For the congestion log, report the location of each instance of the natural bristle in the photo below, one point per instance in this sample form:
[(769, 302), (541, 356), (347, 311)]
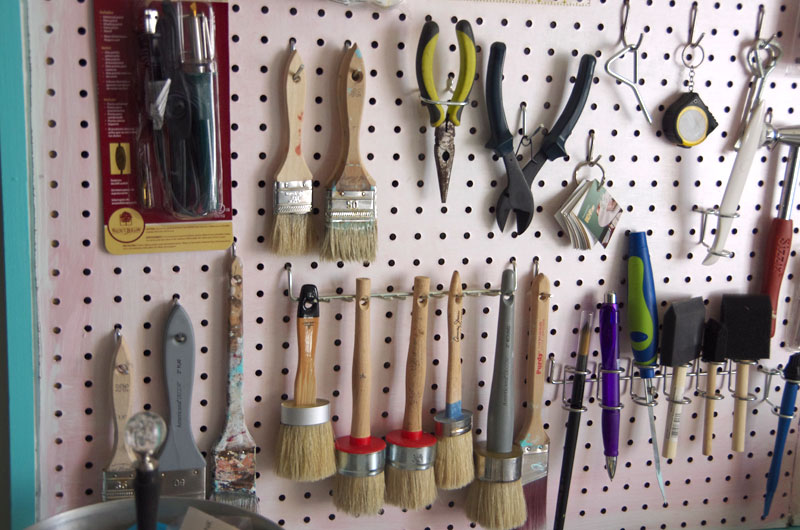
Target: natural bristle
[(496, 505), (358, 495), (305, 453), (453, 466), (293, 234), (536, 502), (350, 241), (412, 490), (240, 499)]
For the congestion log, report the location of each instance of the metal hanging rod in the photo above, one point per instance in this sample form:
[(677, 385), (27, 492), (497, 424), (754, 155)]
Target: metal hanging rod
[(399, 294)]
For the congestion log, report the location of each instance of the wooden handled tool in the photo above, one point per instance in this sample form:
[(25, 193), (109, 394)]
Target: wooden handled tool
[(714, 348), (294, 165), (305, 383), (533, 432), (121, 379), (360, 427), (415, 364), (455, 316), (352, 83)]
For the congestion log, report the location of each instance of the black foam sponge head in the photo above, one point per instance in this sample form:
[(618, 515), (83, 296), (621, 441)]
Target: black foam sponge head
[(682, 334), (715, 342), (748, 319)]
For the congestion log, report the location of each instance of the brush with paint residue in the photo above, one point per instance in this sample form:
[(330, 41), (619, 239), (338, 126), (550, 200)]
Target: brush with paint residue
[(351, 228), (234, 455), (292, 230), (410, 481), (358, 486), (453, 466), (305, 450)]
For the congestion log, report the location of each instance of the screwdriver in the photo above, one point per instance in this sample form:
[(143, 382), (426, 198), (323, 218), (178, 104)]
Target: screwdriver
[(643, 327), (791, 375)]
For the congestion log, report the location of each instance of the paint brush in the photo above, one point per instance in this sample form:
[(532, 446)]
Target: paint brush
[(119, 473), (410, 481), (715, 339), (182, 467), (453, 466), (495, 499), (292, 230), (351, 228), (305, 448), (576, 408), (748, 319), (532, 438), (234, 454), (359, 487), (681, 341)]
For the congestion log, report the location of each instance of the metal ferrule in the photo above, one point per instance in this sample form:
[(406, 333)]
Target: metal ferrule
[(150, 21), (291, 414), (350, 206), (784, 135), (497, 467), (292, 197), (447, 427), (410, 458), (360, 465), (184, 483), (198, 55), (118, 484)]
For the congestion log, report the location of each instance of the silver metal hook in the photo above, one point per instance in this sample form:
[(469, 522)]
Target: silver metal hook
[(759, 21), (293, 47), (589, 162), (536, 266), (292, 44), (590, 146), (692, 23), (233, 249), (117, 333), (523, 107)]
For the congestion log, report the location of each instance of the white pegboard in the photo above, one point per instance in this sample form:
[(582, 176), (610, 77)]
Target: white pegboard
[(83, 291)]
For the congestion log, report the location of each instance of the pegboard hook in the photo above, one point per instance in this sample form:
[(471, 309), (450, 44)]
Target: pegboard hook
[(705, 212), (626, 9), (589, 162), (692, 24), (759, 21)]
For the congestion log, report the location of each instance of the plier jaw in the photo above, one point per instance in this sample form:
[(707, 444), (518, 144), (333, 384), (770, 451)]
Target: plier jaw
[(444, 150)]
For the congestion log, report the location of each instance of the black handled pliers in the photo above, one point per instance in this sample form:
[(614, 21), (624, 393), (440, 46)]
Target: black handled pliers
[(445, 120), (517, 195)]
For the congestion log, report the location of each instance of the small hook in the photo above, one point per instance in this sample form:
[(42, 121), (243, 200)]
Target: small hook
[(626, 9), (233, 249), (292, 44), (759, 21), (536, 266), (590, 146), (692, 23), (523, 107)]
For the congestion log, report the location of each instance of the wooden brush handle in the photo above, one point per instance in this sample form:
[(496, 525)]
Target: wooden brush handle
[(674, 412), (305, 384), (533, 430), (455, 316), (708, 419), (352, 83), (415, 365), (361, 365), (740, 407), (294, 165), (121, 379)]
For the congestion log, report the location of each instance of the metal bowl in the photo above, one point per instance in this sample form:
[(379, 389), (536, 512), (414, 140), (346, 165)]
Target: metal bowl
[(121, 515)]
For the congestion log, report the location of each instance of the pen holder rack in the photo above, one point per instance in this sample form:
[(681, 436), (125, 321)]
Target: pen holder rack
[(561, 375), (705, 212), (566, 403), (394, 295), (769, 374), (750, 396)]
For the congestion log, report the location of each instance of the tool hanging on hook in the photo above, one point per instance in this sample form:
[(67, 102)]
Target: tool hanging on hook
[(687, 122), (632, 82)]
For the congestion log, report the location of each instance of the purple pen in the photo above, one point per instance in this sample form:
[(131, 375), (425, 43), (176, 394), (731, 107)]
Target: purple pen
[(609, 347)]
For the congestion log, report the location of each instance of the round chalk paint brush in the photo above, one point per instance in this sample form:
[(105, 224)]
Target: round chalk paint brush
[(305, 449), (410, 481), (358, 486), (453, 467)]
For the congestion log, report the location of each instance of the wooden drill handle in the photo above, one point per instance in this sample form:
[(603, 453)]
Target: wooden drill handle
[(455, 317), (674, 411), (359, 427), (294, 166), (352, 86), (415, 365), (533, 431), (740, 407), (708, 419), (121, 378)]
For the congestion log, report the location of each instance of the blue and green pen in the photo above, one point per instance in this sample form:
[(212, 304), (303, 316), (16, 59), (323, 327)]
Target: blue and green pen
[(643, 327), (791, 375)]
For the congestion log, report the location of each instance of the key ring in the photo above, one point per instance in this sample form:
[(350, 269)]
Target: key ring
[(589, 162)]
